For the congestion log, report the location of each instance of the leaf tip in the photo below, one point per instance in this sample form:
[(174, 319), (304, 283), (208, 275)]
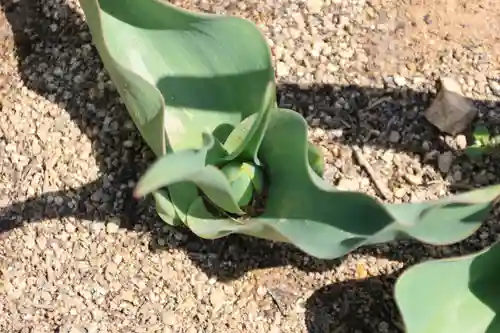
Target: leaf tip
[(137, 194)]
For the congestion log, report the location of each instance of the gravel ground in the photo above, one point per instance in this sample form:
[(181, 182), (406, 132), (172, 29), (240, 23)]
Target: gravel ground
[(361, 73)]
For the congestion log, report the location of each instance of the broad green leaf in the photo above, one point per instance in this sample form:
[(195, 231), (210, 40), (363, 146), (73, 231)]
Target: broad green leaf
[(182, 196), (143, 100), (452, 295), (181, 73)]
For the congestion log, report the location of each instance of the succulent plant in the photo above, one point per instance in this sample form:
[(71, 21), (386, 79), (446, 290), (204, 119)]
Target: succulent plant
[(201, 91)]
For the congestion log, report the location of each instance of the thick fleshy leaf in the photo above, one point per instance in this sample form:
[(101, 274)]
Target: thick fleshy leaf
[(165, 209), (180, 73), (244, 141), (245, 180), (452, 295), (189, 166), (328, 223), (199, 220), (316, 159), (172, 168)]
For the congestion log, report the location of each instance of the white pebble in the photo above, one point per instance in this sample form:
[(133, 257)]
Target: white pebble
[(112, 227), (494, 86), (399, 80), (461, 141), (282, 69)]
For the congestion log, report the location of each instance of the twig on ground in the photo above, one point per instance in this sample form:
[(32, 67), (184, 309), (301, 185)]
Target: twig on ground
[(457, 186), (379, 185), (373, 104)]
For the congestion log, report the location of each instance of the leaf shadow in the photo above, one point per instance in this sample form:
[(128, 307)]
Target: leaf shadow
[(37, 37), (350, 306), (54, 43)]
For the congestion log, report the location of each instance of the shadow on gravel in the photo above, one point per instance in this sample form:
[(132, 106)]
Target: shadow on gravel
[(348, 307), (48, 37)]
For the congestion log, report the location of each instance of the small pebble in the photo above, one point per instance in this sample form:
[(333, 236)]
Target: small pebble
[(347, 184), (399, 80), (282, 69), (444, 161), (217, 298), (70, 228), (400, 192), (494, 86), (394, 137), (169, 318), (112, 226), (461, 141)]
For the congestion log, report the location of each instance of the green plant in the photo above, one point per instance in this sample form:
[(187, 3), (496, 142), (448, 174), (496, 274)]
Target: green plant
[(201, 91), (484, 143)]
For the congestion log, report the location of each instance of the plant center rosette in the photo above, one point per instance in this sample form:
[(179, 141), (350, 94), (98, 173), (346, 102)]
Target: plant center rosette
[(247, 183)]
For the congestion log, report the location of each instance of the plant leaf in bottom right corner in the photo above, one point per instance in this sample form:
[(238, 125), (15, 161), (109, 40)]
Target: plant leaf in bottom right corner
[(459, 295)]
